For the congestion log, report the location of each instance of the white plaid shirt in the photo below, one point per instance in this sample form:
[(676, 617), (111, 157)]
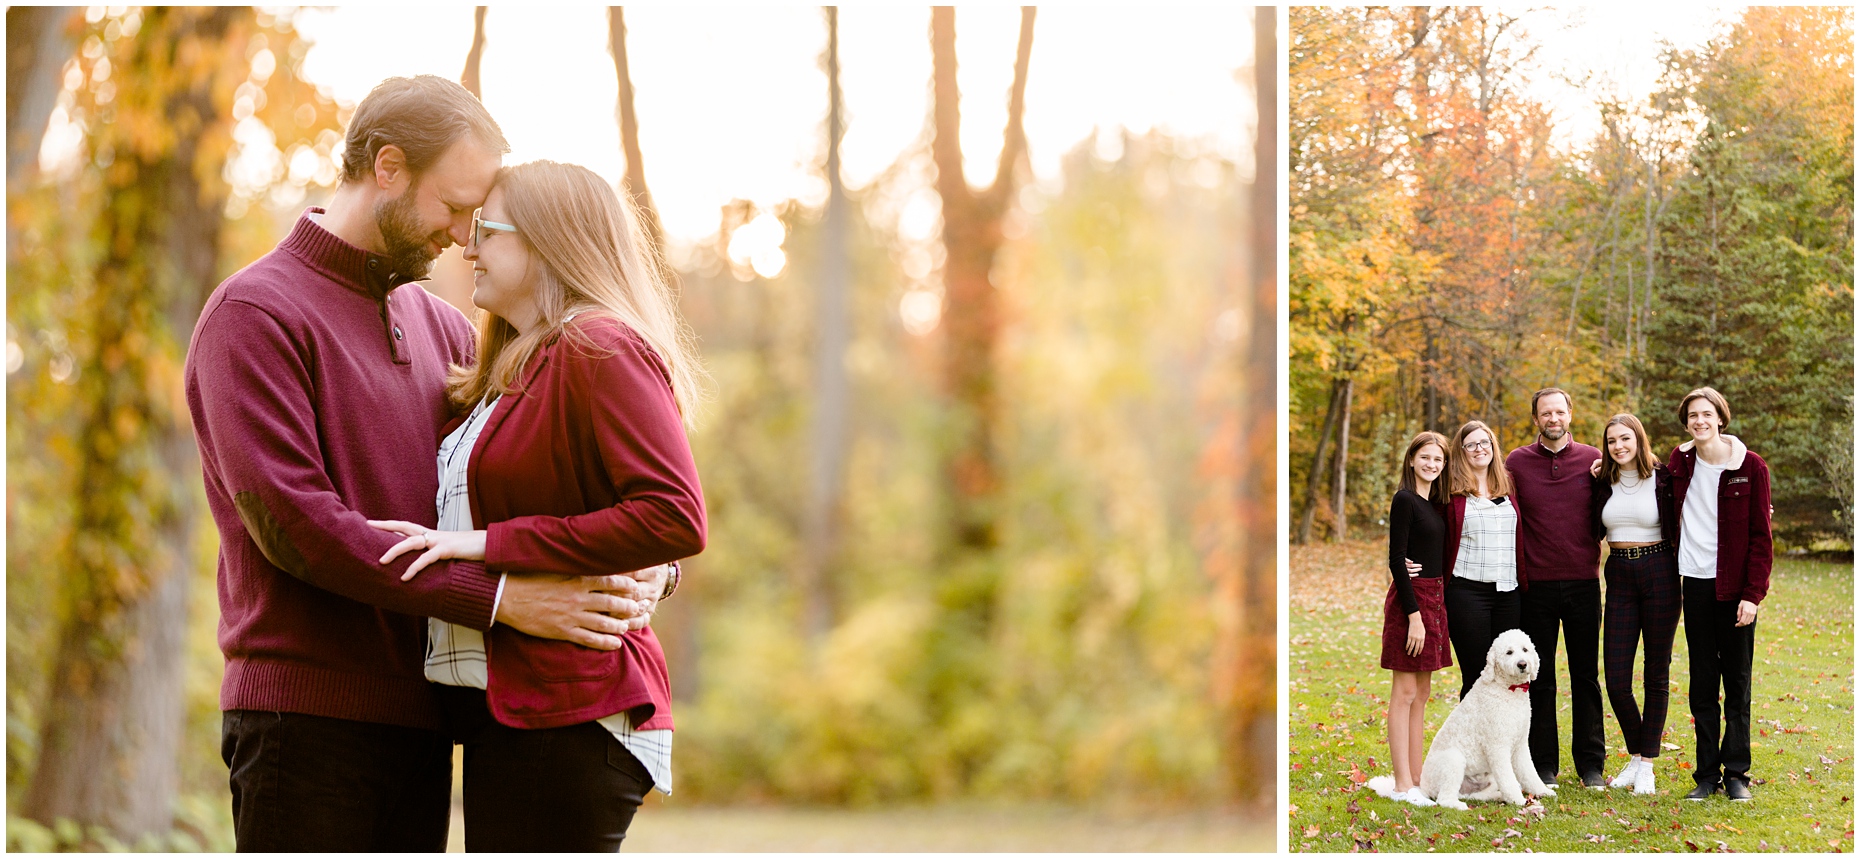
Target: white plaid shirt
[(1489, 543), (455, 654)]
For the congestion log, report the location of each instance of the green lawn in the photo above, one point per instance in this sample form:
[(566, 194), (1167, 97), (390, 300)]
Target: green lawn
[(666, 826), (1801, 711)]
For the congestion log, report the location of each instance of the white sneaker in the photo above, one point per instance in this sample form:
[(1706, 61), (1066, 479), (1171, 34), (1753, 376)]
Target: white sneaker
[(1643, 780), (1628, 775), (1384, 786), (1414, 796)]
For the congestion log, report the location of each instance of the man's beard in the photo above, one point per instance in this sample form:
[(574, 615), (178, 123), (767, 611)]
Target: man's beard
[(407, 251), (1551, 433)]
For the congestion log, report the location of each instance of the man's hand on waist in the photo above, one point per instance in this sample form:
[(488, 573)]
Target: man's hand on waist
[(591, 611)]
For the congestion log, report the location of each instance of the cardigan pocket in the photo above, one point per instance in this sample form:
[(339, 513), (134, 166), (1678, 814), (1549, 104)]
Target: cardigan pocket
[(562, 661)]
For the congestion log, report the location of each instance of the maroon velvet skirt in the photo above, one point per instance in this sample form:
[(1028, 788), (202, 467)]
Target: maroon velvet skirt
[(1436, 652)]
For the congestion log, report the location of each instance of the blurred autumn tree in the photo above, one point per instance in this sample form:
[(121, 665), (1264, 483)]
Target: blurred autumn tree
[(1100, 635), (1447, 261), (116, 254)]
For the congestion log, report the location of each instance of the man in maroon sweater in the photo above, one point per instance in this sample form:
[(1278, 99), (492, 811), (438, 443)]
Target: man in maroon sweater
[(1559, 561), (316, 383)]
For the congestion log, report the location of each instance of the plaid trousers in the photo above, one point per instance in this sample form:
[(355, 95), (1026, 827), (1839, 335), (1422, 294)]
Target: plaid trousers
[(1643, 600)]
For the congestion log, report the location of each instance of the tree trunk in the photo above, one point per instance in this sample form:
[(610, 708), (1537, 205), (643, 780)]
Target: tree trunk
[(832, 332), (1428, 381), (971, 238), (1314, 481), (470, 78), (1339, 515), (111, 731), (1251, 742), (37, 46), (629, 133)]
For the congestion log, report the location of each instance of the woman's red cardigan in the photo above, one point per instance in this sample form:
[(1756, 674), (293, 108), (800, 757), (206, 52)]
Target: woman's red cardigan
[(584, 469), (1454, 511)]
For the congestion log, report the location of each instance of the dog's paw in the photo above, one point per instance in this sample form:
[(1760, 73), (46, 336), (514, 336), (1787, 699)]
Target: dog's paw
[(1549, 792), (1454, 804)]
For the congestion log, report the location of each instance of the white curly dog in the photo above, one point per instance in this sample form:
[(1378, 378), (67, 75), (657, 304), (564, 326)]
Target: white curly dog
[(1482, 753)]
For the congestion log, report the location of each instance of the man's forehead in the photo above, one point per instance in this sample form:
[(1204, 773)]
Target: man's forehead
[(465, 172), (1548, 402)]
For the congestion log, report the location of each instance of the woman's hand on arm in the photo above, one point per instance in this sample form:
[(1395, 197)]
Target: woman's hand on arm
[(1417, 634), (439, 545), (1595, 468)]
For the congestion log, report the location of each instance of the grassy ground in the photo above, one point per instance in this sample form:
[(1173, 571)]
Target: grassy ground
[(663, 827), (1802, 713)]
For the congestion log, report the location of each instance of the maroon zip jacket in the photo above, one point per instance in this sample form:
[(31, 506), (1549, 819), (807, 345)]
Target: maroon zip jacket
[(1555, 486), (584, 466), (316, 383), (1744, 547), (1455, 512)]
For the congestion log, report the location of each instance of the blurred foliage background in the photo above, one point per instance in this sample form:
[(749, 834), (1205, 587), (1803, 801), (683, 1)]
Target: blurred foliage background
[(1449, 257), (996, 530)]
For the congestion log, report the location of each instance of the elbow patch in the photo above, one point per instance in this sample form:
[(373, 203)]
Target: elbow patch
[(269, 535)]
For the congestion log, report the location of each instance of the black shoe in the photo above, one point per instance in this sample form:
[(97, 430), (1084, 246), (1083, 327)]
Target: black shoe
[(1705, 790), (1737, 790), (1549, 779), (1594, 780)]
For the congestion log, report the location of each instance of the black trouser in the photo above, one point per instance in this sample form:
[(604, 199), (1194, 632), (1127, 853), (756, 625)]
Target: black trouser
[(1576, 606), (1718, 650), (1643, 601), (312, 783), (571, 789), (1476, 614)]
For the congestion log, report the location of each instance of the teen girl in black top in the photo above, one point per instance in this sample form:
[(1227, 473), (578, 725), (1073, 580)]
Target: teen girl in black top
[(1414, 625)]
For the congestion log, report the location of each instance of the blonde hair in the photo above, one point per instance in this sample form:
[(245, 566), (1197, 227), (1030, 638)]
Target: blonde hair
[(1464, 480), (595, 262)]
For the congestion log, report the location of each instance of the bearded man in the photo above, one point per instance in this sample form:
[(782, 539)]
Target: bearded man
[(316, 383), (1559, 559)]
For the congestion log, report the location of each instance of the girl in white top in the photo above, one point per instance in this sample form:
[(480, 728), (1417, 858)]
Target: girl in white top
[(1633, 508)]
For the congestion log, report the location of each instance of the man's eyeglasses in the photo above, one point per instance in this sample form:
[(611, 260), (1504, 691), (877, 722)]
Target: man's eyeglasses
[(1475, 447), (480, 226)]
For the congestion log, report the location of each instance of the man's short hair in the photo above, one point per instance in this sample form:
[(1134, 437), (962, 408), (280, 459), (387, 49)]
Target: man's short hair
[(423, 115), (1712, 396), (1568, 401)]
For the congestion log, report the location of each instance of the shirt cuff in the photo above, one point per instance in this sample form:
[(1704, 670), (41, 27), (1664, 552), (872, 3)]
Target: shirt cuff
[(499, 599)]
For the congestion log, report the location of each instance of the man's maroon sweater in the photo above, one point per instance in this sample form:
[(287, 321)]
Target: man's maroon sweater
[(316, 383), (1553, 511)]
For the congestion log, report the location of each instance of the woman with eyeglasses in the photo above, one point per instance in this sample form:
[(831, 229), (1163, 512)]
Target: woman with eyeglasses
[(569, 454), (1483, 573)]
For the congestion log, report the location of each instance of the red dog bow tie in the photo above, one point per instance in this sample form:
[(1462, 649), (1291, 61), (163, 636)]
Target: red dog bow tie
[(1521, 687)]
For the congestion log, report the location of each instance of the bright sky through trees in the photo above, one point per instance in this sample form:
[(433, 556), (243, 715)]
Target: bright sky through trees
[(1618, 46), (732, 100)]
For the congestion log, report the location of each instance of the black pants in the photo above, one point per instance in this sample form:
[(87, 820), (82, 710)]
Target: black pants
[(311, 783), (554, 790), (1643, 602), (1719, 651), (1575, 606), (1476, 614)]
